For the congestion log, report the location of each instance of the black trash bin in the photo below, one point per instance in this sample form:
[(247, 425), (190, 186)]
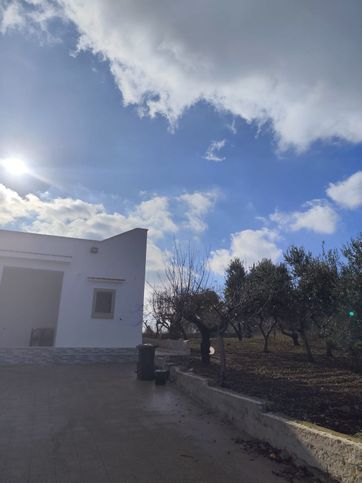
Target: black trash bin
[(161, 376), (146, 362)]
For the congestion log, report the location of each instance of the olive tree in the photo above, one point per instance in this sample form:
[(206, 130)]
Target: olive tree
[(206, 311), (235, 277), (184, 299), (351, 294), (265, 296), (314, 295)]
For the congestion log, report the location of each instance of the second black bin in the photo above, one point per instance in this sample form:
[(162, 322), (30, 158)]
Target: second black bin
[(160, 377)]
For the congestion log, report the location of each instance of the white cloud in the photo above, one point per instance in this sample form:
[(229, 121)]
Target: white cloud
[(212, 151), (347, 193), (198, 205), (81, 219), (156, 259), (319, 217), (295, 64), (31, 14), (248, 245), (156, 214), (232, 127), (78, 218), (12, 206), (11, 17)]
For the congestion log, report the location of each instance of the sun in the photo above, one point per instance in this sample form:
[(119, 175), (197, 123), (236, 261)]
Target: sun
[(14, 166)]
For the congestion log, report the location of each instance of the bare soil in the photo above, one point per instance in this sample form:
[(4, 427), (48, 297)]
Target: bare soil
[(327, 392)]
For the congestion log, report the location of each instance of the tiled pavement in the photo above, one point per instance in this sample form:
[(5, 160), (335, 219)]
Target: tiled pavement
[(98, 424)]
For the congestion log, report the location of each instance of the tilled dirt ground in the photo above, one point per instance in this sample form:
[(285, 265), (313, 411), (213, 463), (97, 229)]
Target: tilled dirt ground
[(327, 393)]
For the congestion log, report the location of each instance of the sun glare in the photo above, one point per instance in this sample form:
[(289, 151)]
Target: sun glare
[(14, 166)]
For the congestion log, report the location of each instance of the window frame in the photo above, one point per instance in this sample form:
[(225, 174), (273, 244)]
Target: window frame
[(103, 315)]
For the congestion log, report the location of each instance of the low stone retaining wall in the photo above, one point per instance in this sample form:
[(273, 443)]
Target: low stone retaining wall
[(66, 355), (180, 345), (339, 456)]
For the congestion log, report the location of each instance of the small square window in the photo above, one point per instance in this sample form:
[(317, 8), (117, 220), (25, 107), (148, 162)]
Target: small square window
[(103, 303)]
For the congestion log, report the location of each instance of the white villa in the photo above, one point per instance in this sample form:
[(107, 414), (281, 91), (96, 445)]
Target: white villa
[(71, 293)]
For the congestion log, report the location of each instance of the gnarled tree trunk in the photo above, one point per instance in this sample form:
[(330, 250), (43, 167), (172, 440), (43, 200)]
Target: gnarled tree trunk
[(293, 335), (308, 350), (222, 372), (205, 346), (237, 329)]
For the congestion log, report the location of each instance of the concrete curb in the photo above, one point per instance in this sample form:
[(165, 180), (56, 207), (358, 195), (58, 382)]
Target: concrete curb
[(334, 454), (180, 345)]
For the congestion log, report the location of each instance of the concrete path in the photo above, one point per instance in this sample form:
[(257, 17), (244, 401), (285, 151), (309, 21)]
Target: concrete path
[(98, 424)]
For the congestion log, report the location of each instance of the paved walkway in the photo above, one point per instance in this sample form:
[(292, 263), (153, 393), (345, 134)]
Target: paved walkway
[(98, 424)]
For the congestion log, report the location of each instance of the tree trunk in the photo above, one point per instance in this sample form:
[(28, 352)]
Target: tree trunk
[(222, 360), (329, 349), (183, 332), (205, 346), (293, 335), (295, 338), (238, 331), (176, 330), (307, 346), (266, 333)]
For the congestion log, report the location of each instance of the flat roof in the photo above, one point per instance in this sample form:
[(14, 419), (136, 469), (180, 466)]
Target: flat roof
[(27, 233)]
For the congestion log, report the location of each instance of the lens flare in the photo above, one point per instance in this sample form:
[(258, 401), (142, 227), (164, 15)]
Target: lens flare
[(14, 166)]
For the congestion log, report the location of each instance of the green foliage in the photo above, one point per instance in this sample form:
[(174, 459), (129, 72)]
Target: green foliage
[(351, 286), (309, 296), (265, 296), (201, 309), (235, 278), (267, 289), (315, 292), (234, 281)]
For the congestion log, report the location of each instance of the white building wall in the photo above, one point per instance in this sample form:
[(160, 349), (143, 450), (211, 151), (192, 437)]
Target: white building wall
[(119, 257)]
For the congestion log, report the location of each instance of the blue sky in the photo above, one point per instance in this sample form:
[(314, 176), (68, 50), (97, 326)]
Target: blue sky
[(129, 117)]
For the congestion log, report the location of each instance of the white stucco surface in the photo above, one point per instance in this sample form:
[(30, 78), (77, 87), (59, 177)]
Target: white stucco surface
[(118, 264)]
